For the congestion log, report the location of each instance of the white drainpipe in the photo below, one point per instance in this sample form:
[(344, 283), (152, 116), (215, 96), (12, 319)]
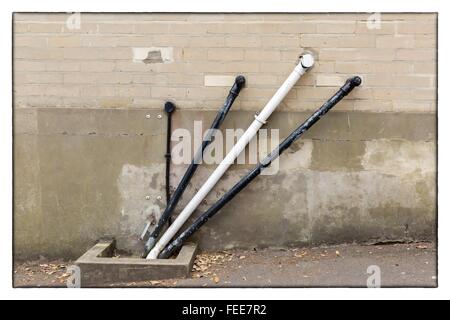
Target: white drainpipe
[(305, 63)]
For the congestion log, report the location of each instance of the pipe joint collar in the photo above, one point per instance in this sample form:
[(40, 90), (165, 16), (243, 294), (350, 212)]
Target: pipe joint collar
[(257, 118)]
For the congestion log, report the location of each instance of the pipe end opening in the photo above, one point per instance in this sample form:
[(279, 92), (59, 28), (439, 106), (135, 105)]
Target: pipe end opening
[(169, 107), (240, 80), (307, 60), (357, 80)]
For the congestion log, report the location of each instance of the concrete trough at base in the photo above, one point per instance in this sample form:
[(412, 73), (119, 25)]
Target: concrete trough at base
[(99, 267)]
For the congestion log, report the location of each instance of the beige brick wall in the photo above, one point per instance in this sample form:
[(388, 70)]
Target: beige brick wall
[(94, 66)]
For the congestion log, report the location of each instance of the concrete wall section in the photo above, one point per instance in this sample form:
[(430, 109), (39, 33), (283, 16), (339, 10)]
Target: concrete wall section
[(354, 177)]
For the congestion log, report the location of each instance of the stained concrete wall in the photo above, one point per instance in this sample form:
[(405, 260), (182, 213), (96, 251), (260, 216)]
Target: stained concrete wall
[(89, 162)]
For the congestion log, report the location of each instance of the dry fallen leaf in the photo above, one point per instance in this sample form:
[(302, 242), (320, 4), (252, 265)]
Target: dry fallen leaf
[(216, 279), (300, 254)]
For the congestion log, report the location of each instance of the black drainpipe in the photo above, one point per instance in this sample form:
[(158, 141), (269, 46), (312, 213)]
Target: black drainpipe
[(169, 108), (234, 92), (338, 96)]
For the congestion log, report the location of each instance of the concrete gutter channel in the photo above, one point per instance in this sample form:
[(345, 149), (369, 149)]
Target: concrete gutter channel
[(100, 267)]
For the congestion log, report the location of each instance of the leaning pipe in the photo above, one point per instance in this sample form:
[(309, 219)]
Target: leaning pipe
[(178, 242), (305, 63), (175, 198), (169, 108)]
